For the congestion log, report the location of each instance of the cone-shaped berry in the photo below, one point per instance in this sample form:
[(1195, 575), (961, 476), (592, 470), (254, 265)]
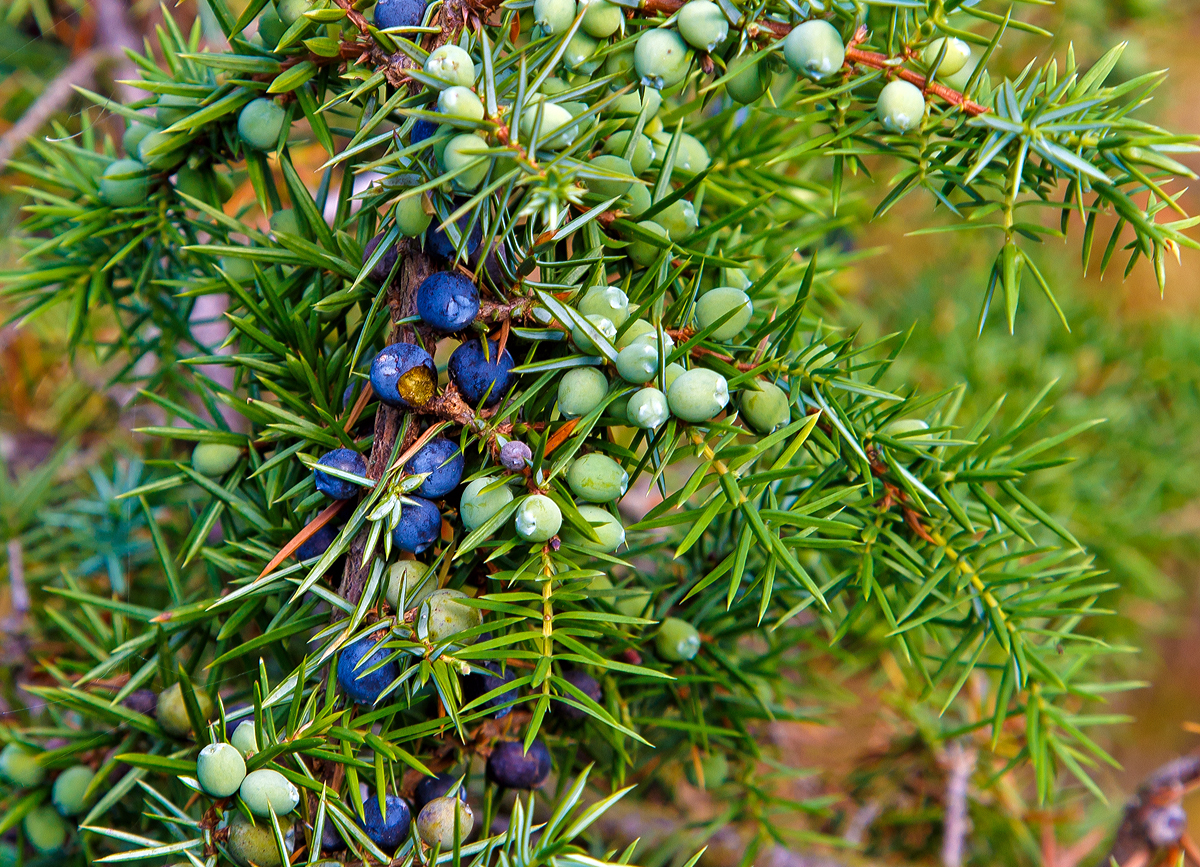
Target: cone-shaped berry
[(20, 766), (343, 460), (70, 788), (660, 58), (511, 767), (443, 461), (253, 843), (447, 301), (387, 830), (814, 49), (450, 65), (956, 57), (482, 379), (172, 712), (580, 391), (605, 525), (220, 769), (764, 406), (360, 685), (608, 301), (480, 683), (901, 106), (265, 790), (677, 640), (698, 395), (260, 124), (444, 616), (419, 527), (751, 76), (399, 13), (586, 684), (443, 820), (125, 184), (481, 499), (648, 409), (718, 303), (437, 786), (538, 518), (702, 24), (404, 375), (597, 478), (215, 459), (45, 830)]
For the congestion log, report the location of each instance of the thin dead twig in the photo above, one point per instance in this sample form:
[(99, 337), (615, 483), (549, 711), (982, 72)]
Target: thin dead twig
[(959, 762)]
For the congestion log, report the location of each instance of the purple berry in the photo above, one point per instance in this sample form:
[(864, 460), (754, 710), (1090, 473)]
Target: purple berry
[(510, 767), (345, 460), (384, 266), (436, 787), (481, 683), (447, 302), (514, 454), (478, 376), (586, 684)]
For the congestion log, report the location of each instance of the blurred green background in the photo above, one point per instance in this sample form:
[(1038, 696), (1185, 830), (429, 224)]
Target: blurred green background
[(1130, 357)]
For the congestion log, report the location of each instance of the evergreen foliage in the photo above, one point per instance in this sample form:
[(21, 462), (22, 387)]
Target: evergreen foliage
[(761, 527)]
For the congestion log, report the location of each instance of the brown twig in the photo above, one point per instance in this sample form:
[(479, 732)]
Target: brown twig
[(960, 764), (54, 98), (1154, 818)]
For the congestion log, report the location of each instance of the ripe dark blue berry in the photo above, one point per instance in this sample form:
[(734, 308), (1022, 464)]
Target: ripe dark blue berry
[(404, 375), (421, 130), (443, 460), (438, 243), (346, 460), (482, 380), (419, 527), (437, 786), (447, 301), (481, 683), (384, 266), (331, 838), (318, 543), (359, 687), (386, 831), (399, 13), (586, 684), (511, 767)]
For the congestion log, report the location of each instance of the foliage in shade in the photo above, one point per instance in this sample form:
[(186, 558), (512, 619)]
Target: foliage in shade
[(835, 518)]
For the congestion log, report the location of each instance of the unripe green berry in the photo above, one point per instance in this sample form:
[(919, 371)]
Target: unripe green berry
[(260, 123), (70, 788), (124, 184), (901, 106), (648, 409), (630, 105), (638, 362), (460, 102), (552, 118), (597, 478), (678, 218), (764, 406), (265, 790), (244, 739), (814, 49), (290, 11), (636, 329), (643, 151), (601, 19), (751, 76), (957, 55), (477, 505), (580, 391), (165, 161), (677, 640), (463, 151), (698, 395), (717, 303), (172, 712), (606, 526), (437, 819), (410, 582), (538, 518), (637, 200), (673, 372), (660, 58), (602, 324), (619, 63), (215, 459), (551, 17), (254, 843), (20, 767), (643, 252), (443, 616), (288, 222), (579, 55), (45, 830), (411, 217), (450, 65), (134, 133), (902, 426), (959, 80), (609, 187), (735, 277), (715, 769), (270, 26), (611, 302), (702, 24), (173, 107), (220, 769)]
